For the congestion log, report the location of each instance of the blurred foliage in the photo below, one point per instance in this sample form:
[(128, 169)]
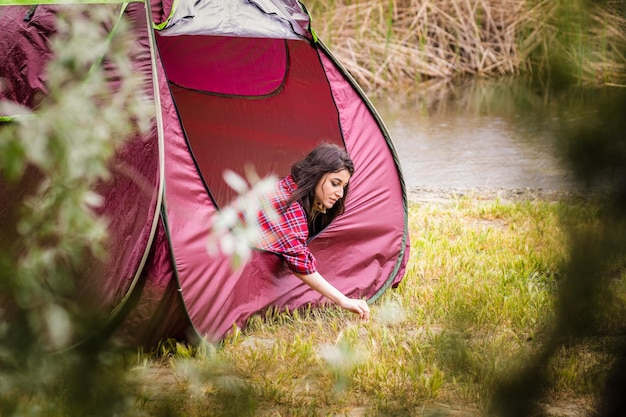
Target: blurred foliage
[(577, 42), (590, 123), (50, 162)]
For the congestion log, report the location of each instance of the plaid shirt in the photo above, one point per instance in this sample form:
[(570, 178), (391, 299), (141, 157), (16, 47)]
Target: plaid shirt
[(286, 233)]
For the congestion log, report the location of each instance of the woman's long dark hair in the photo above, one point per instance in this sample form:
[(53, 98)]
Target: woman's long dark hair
[(324, 159)]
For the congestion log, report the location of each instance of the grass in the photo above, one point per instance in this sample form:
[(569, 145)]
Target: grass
[(477, 302)]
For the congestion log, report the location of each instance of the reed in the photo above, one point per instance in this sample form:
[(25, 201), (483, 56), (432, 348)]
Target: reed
[(394, 44)]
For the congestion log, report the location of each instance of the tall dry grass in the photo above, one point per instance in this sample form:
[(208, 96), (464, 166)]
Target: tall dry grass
[(398, 43)]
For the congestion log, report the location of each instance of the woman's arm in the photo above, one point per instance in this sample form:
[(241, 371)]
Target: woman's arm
[(319, 284)]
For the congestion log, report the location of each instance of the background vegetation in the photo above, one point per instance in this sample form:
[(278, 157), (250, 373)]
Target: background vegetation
[(508, 308), (398, 45)]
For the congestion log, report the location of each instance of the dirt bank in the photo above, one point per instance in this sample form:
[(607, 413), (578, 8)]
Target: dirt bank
[(449, 195)]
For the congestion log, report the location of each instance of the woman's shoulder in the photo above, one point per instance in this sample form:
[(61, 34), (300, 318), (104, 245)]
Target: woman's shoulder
[(284, 189), (288, 184), (280, 194)]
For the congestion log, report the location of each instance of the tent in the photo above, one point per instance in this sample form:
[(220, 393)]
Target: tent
[(234, 82)]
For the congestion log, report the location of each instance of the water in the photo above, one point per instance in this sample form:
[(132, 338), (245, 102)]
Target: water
[(456, 144)]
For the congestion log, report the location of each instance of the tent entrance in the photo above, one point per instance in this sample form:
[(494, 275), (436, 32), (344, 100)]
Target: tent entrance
[(248, 101)]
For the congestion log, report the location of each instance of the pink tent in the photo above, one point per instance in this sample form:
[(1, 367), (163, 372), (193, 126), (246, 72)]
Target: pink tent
[(235, 83)]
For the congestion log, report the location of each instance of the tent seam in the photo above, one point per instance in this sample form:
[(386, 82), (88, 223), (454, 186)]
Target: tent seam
[(163, 208), (160, 135)]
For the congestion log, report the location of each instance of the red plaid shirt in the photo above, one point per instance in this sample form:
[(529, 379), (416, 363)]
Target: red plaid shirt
[(287, 234)]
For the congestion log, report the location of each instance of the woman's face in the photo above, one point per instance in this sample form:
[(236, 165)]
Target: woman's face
[(331, 188)]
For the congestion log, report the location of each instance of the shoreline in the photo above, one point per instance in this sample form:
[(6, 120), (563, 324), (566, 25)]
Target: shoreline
[(447, 195)]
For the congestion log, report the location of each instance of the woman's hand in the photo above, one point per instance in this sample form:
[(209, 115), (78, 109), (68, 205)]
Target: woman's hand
[(319, 284), (356, 306)]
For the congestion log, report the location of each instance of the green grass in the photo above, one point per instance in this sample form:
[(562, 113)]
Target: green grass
[(477, 302)]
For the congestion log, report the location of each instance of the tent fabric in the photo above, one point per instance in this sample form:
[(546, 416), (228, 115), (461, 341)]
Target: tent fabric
[(156, 311), (282, 19), (279, 129), (25, 52), (134, 185), (225, 101), (162, 12), (371, 193)]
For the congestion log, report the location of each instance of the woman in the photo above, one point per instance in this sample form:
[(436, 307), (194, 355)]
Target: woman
[(305, 202)]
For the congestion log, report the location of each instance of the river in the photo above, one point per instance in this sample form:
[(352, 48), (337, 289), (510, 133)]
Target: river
[(472, 138)]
